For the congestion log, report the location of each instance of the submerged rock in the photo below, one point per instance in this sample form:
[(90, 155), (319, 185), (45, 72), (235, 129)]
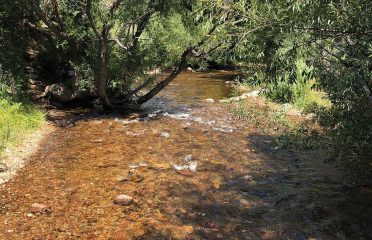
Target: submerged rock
[(209, 100), (186, 125), (122, 178), (186, 173), (3, 168), (39, 208), (123, 200), (165, 135), (190, 69), (134, 116), (224, 129), (191, 166)]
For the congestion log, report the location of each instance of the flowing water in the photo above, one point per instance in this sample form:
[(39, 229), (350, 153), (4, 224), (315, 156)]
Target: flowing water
[(193, 170)]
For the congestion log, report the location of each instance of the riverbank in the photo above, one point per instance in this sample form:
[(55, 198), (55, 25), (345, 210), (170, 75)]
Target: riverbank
[(15, 157), (21, 127), (17, 119)]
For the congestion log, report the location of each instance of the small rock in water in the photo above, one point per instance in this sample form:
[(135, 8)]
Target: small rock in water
[(247, 178), (224, 130), (188, 158), (134, 116), (209, 100), (164, 134), (186, 173), (123, 200), (3, 168), (192, 166), (190, 69), (138, 165), (132, 176), (122, 178), (39, 208), (98, 141), (186, 125), (135, 177)]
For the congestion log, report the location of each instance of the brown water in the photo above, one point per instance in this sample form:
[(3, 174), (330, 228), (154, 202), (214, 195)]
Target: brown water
[(190, 89), (242, 187)]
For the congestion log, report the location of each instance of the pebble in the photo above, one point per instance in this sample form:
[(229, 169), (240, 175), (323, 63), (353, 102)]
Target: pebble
[(209, 100), (123, 200)]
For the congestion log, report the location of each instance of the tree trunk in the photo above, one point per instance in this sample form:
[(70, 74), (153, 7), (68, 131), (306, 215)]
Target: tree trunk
[(160, 86), (102, 75)]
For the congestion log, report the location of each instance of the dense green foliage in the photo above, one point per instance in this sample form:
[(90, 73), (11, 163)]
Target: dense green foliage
[(291, 44), (17, 116)]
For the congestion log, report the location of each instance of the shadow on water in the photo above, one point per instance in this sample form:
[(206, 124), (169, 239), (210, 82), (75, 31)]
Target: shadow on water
[(287, 195)]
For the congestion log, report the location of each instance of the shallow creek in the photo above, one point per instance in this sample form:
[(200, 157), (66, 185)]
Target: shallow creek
[(194, 172)]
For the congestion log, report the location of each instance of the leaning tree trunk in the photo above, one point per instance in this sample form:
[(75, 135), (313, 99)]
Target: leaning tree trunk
[(160, 86), (102, 75)]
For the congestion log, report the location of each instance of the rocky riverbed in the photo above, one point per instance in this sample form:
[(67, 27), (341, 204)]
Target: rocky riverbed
[(179, 170)]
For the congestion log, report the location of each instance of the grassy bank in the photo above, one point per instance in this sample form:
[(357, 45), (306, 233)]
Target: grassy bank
[(16, 121), (272, 109), (302, 95)]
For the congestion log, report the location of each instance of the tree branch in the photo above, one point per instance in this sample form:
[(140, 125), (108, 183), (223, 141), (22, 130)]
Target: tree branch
[(141, 26), (43, 16), (56, 12), (115, 6), (88, 12), (181, 66)]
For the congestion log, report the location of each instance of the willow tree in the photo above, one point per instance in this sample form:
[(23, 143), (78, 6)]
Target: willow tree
[(114, 39), (332, 41)]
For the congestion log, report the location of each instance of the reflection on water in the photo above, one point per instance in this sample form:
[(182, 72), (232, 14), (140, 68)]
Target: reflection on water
[(192, 88)]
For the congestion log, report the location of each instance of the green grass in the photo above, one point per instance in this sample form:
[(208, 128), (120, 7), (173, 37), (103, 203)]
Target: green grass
[(16, 121), (301, 94)]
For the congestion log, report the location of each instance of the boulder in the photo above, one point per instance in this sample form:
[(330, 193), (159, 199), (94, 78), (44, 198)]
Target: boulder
[(59, 92)]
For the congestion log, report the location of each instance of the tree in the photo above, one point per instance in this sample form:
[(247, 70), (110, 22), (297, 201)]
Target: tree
[(13, 39), (113, 38), (333, 38)]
